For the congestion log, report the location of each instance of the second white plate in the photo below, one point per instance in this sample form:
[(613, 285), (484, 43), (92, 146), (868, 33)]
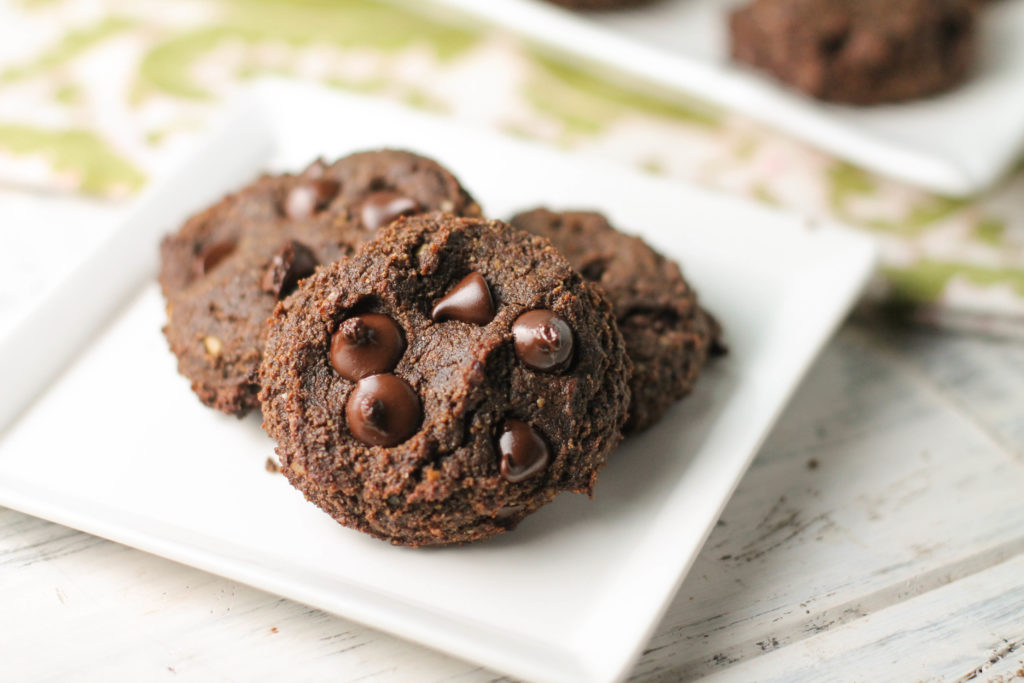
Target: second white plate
[(956, 144), (118, 446)]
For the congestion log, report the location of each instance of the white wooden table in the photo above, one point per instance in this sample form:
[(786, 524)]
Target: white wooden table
[(879, 535)]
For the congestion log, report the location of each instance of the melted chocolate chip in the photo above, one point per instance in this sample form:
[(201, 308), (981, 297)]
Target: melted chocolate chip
[(523, 451), (292, 262), (366, 345), (311, 196), (383, 411), (381, 208), (470, 301), (543, 340), (212, 255)]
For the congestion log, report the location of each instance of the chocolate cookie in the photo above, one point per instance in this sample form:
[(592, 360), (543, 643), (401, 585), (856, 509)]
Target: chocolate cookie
[(445, 381), (668, 336), (859, 51), (224, 271)]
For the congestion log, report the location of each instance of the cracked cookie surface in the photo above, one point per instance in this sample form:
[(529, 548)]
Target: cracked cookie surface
[(668, 336), (224, 271), (445, 381)]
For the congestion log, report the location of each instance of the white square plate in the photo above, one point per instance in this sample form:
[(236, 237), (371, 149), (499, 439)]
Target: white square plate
[(117, 445), (955, 144)]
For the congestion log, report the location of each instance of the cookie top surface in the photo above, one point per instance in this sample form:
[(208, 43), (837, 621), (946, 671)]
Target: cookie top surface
[(859, 51), (668, 336), (510, 382), (224, 271)]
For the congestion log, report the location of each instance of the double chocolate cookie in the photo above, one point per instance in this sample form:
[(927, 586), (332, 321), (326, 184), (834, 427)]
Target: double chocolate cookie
[(443, 382), (224, 271), (859, 51), (667, 334)]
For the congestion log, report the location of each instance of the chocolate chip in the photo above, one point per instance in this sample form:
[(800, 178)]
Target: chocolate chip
[(523, 451), (311, 196), (381, 208), (212, 255), (383, 411), (833, 44), (291, 263), (543, 340), (366, 345), (470, 301)]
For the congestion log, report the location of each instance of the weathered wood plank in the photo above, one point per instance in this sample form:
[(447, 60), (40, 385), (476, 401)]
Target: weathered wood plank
[(983, 378), (969, 630), (873, 489)]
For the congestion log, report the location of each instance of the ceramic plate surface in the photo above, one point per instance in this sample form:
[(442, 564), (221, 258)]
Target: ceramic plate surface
[(956, 144), (101, 434)]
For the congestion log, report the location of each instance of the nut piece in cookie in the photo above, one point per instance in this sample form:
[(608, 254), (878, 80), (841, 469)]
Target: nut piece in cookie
[(224, 271), (448, 379), (859, 51), (668, 335)]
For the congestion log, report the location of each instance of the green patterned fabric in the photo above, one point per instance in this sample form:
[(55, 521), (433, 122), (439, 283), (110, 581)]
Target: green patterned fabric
[(96, 96)]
